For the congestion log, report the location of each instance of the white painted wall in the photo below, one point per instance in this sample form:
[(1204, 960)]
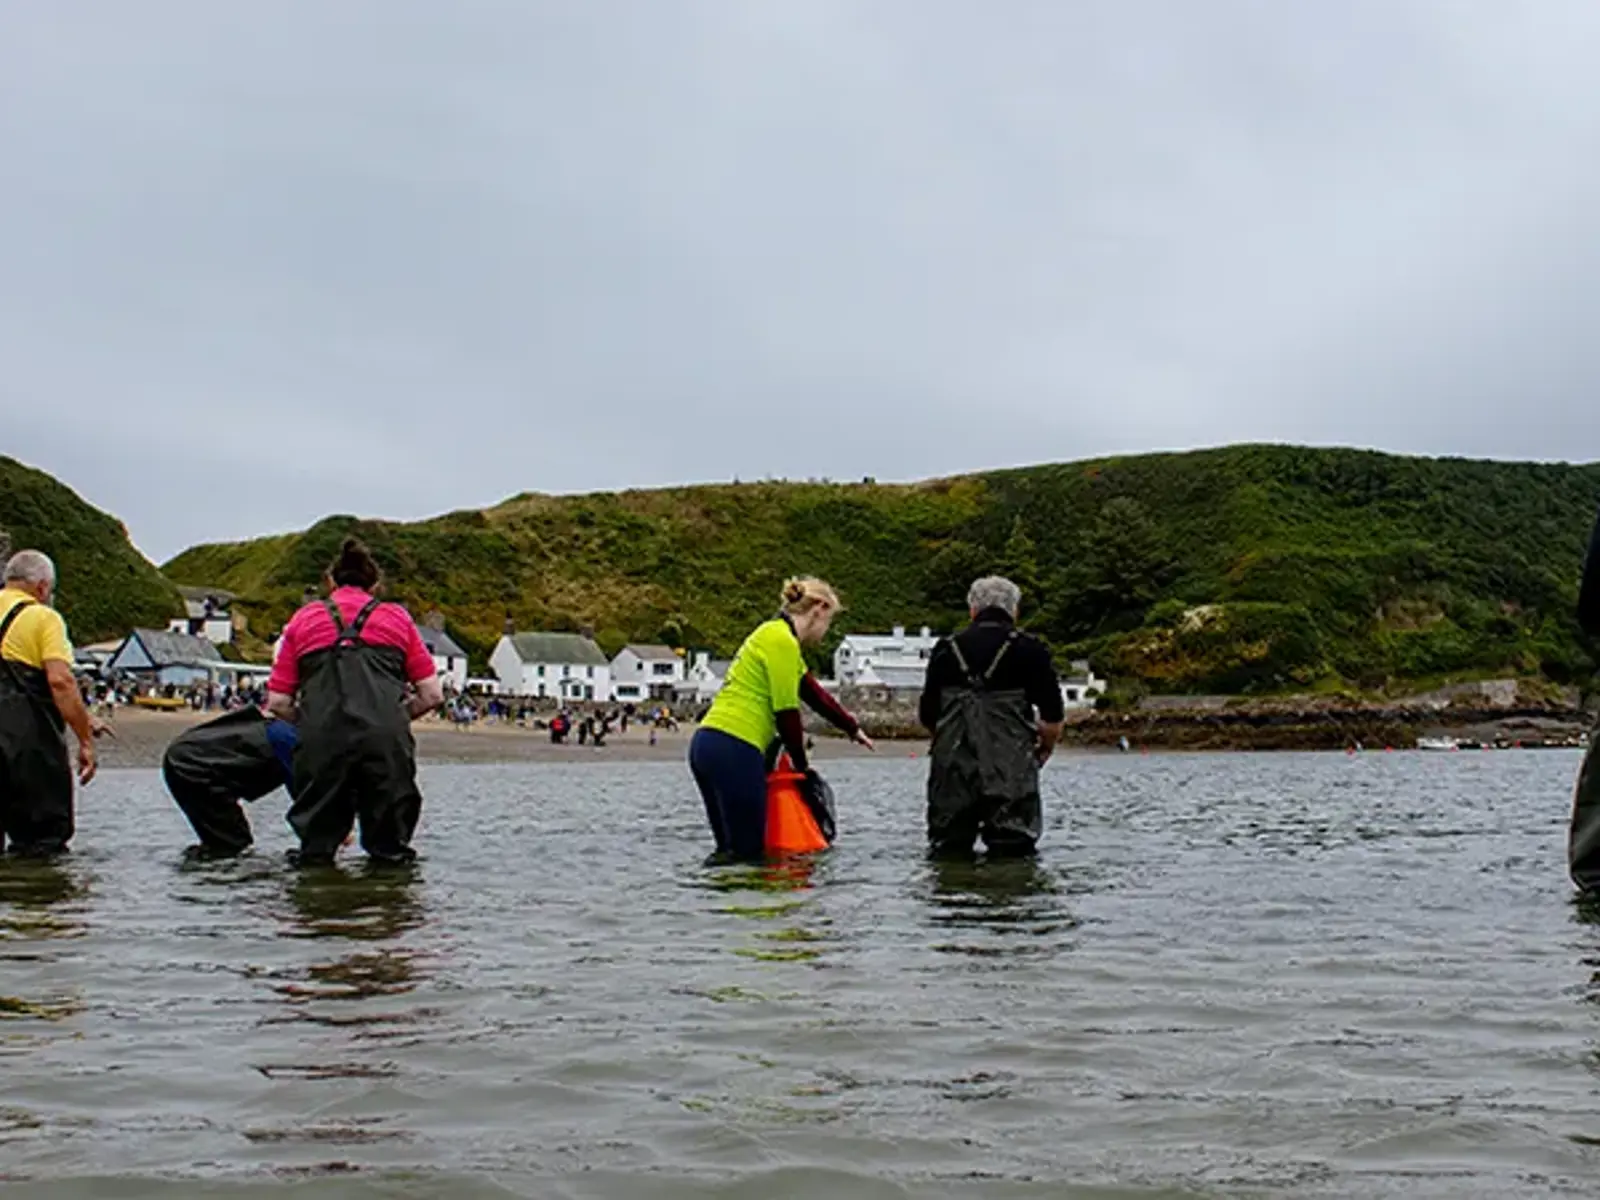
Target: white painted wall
[(558, 681)]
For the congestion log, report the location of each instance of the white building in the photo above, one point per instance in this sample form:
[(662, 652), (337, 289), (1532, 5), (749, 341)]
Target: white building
[(896, 660), (646, 673), (207, 614), (1081, 687), (558, 666), (449, 659), (704, 678)]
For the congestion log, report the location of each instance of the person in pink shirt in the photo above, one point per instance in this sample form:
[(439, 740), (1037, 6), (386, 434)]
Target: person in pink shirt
[(351, 673)]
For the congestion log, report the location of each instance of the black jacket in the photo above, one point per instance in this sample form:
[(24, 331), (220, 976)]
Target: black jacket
[(1026, 667), (1589, 592)]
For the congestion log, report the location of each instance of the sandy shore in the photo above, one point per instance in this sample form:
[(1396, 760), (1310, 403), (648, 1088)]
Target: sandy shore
[(142, 735)]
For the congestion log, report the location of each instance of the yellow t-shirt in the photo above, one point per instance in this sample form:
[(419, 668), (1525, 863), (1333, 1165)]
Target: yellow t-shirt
[(37, 636), (763, 681)]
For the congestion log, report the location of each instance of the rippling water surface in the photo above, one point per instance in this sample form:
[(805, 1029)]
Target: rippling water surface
[(1285, 975)]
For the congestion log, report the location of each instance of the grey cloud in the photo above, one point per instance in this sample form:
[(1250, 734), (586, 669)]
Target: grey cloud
[(267, 262)]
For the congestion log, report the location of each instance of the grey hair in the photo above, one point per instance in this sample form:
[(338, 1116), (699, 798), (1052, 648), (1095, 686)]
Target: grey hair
[(993, 591), (30, 566)]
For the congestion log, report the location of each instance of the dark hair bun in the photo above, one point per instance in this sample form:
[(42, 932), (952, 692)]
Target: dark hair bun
[(355, 566)]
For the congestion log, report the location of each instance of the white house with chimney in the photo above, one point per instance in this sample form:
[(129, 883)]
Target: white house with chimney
[(552, 666), (640, 673), (704, 677), (207, 613), (897, 660), (449, 659), (1081, 687)]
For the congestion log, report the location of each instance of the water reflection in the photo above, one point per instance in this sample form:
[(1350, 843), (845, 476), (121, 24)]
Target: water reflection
[(999, 907), (365, 912), (1586, 911), (789, 935), (41, 902)]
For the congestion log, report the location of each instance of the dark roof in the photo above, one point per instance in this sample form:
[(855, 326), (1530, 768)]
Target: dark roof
[(571, 648), (653, 653), (168, 649), (440, 643), (206, 593)]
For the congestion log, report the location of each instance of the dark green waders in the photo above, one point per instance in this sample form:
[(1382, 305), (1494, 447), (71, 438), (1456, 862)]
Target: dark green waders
[(984, 775), (209, 769), (356, 757), (35, 770), (1583, 838)]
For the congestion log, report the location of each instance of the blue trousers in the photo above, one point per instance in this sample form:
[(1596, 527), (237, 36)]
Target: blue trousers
[(732, 777)]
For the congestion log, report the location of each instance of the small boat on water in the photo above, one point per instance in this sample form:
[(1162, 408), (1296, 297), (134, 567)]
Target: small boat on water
[(1438, 743)]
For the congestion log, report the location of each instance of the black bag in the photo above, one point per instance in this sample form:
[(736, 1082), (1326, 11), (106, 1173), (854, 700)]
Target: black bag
[(814, 790)]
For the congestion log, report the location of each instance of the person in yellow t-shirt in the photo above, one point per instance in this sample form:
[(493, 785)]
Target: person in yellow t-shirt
[(39, 699), (759, 702)]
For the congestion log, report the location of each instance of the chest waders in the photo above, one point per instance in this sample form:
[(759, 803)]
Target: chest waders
[(983, 777), (1583, 838), (35, 771), (356, 758), (209, 769)]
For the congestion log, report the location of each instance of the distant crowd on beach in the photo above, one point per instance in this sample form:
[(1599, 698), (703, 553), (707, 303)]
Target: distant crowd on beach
[(591, 726)]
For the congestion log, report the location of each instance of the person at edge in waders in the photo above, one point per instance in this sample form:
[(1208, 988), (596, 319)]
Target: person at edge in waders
[(1583, 838), (993, 704), (209, 769), (759, 701), (39, 701), (351, 674)]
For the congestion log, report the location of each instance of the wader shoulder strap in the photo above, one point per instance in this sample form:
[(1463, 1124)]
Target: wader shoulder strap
[(999, 654), (5, 628), (973, 678), (346, 635), (11, 667)]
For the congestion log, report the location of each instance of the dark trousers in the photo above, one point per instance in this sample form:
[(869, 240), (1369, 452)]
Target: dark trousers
[(35, 780), (335, 784), (1009, 828), (732, 777)]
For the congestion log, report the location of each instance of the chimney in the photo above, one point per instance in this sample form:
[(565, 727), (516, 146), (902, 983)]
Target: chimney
[(308, 595), (926, 633), (435, 621), (899, 631), (586, 631), (510, 627)]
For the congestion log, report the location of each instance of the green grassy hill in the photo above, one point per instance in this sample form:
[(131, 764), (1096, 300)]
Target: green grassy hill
[(1250, 568), (106, 586)]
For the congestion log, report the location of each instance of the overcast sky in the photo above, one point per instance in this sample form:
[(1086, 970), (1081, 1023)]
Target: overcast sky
[(263, 262)]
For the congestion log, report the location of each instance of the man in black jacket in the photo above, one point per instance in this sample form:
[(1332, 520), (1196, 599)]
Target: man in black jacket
[(993, 704), (1583, 837)]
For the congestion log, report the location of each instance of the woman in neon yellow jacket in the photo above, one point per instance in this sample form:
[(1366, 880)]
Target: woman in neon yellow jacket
[(760, 701)]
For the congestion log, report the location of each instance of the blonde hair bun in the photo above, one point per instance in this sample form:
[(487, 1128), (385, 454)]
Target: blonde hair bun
[(805, 592)]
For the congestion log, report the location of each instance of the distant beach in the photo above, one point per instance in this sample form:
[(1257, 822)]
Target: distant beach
[(142, 735)]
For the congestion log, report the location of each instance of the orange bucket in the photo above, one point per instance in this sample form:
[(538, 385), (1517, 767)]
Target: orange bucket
[(791, 829)]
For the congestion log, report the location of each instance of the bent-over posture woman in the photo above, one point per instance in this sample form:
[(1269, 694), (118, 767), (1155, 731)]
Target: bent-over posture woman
[(352, 674), (759, 701)]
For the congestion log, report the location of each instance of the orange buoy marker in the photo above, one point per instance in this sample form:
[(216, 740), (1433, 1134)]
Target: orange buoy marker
[(791, 829)]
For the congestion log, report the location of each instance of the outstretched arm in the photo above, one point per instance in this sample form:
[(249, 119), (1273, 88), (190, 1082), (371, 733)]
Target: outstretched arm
[(820, 701)]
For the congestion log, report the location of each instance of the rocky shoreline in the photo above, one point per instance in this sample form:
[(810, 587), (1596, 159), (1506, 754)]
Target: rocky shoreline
[(1497, 713)]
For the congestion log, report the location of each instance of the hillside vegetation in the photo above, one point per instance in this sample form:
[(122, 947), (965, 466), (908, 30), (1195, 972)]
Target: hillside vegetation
[(1245, 569), (107, 587)]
